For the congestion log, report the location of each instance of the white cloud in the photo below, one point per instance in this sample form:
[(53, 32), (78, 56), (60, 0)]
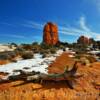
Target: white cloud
[(73, 31), (83, 25), (82, 30), (12, 36), (31, 24)]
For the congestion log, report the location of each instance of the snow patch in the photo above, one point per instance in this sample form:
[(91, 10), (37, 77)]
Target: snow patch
[(37, 64)]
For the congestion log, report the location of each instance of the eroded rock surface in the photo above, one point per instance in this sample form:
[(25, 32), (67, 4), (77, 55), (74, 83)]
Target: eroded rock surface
[(50, 34), (83, 40)]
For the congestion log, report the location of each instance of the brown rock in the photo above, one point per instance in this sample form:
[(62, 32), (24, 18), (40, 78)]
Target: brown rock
[(50, 34), (83, 40)]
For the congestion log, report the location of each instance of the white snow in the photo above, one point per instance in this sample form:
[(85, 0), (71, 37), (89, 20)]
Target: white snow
[(37, 64), (67, 49), (94, 52), (71, 56), (59, 52)]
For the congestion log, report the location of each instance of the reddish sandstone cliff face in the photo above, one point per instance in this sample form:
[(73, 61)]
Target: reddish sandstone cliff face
[(50, 34), (83, 40)]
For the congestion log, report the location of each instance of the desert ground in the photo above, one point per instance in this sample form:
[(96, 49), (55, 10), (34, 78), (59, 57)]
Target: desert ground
[(86, 87)]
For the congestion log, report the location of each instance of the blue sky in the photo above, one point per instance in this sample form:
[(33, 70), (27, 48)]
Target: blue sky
[(22, 21)]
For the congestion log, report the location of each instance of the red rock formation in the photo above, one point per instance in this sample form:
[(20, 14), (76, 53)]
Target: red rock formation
[(83, 40), (50, 34)]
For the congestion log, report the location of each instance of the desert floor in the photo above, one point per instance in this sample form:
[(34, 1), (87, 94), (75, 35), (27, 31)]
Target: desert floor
[(85, 88)]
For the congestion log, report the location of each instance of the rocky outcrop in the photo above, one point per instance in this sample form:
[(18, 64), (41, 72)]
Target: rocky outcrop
[(83, 40), (50, 34)]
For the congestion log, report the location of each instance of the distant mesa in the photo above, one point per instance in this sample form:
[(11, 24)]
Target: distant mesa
[(85, 40), (50, 34)]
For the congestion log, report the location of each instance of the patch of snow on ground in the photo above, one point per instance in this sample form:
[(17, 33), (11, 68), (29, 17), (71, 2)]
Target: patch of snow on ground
[(71, 56), (95, 52), (59, 52), (37, 64)]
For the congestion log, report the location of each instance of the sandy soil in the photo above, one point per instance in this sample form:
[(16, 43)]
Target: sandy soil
[(2, 62), (60, 63), (86, 88)]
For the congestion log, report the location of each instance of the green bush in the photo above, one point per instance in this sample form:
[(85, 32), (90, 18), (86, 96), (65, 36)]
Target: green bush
[(35, 44), (45, 46), (27, 55), (27, 46), (53, 50)]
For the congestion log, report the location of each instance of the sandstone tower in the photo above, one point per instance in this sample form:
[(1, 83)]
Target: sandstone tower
[(50, 34)]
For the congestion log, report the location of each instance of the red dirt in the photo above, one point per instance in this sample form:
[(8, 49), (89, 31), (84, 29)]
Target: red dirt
[(2, 62), (60, 63), (85, 87)]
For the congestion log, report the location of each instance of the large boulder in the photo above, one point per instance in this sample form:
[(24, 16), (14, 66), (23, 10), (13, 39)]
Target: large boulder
[(50, 34)]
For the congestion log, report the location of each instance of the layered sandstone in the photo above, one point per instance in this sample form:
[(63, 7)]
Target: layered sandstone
[(50, 34), (83, 40)]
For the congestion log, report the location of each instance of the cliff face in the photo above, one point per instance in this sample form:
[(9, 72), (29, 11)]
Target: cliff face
[(83, 40), (50, 34)]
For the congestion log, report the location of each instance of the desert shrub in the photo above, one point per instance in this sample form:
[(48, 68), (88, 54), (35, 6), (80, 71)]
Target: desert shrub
[(7, 55), (27, 46), (77, 56), (19, 50), (91, 59), (84, 61), (53, 50), (62, 44), (12, 54), (13, 60), (45, 51), (14, 44), (35, 44), (4, 56), (45, 46), (44, 55), (36, 49), (27, 55), (61, 47), (80, 51)]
